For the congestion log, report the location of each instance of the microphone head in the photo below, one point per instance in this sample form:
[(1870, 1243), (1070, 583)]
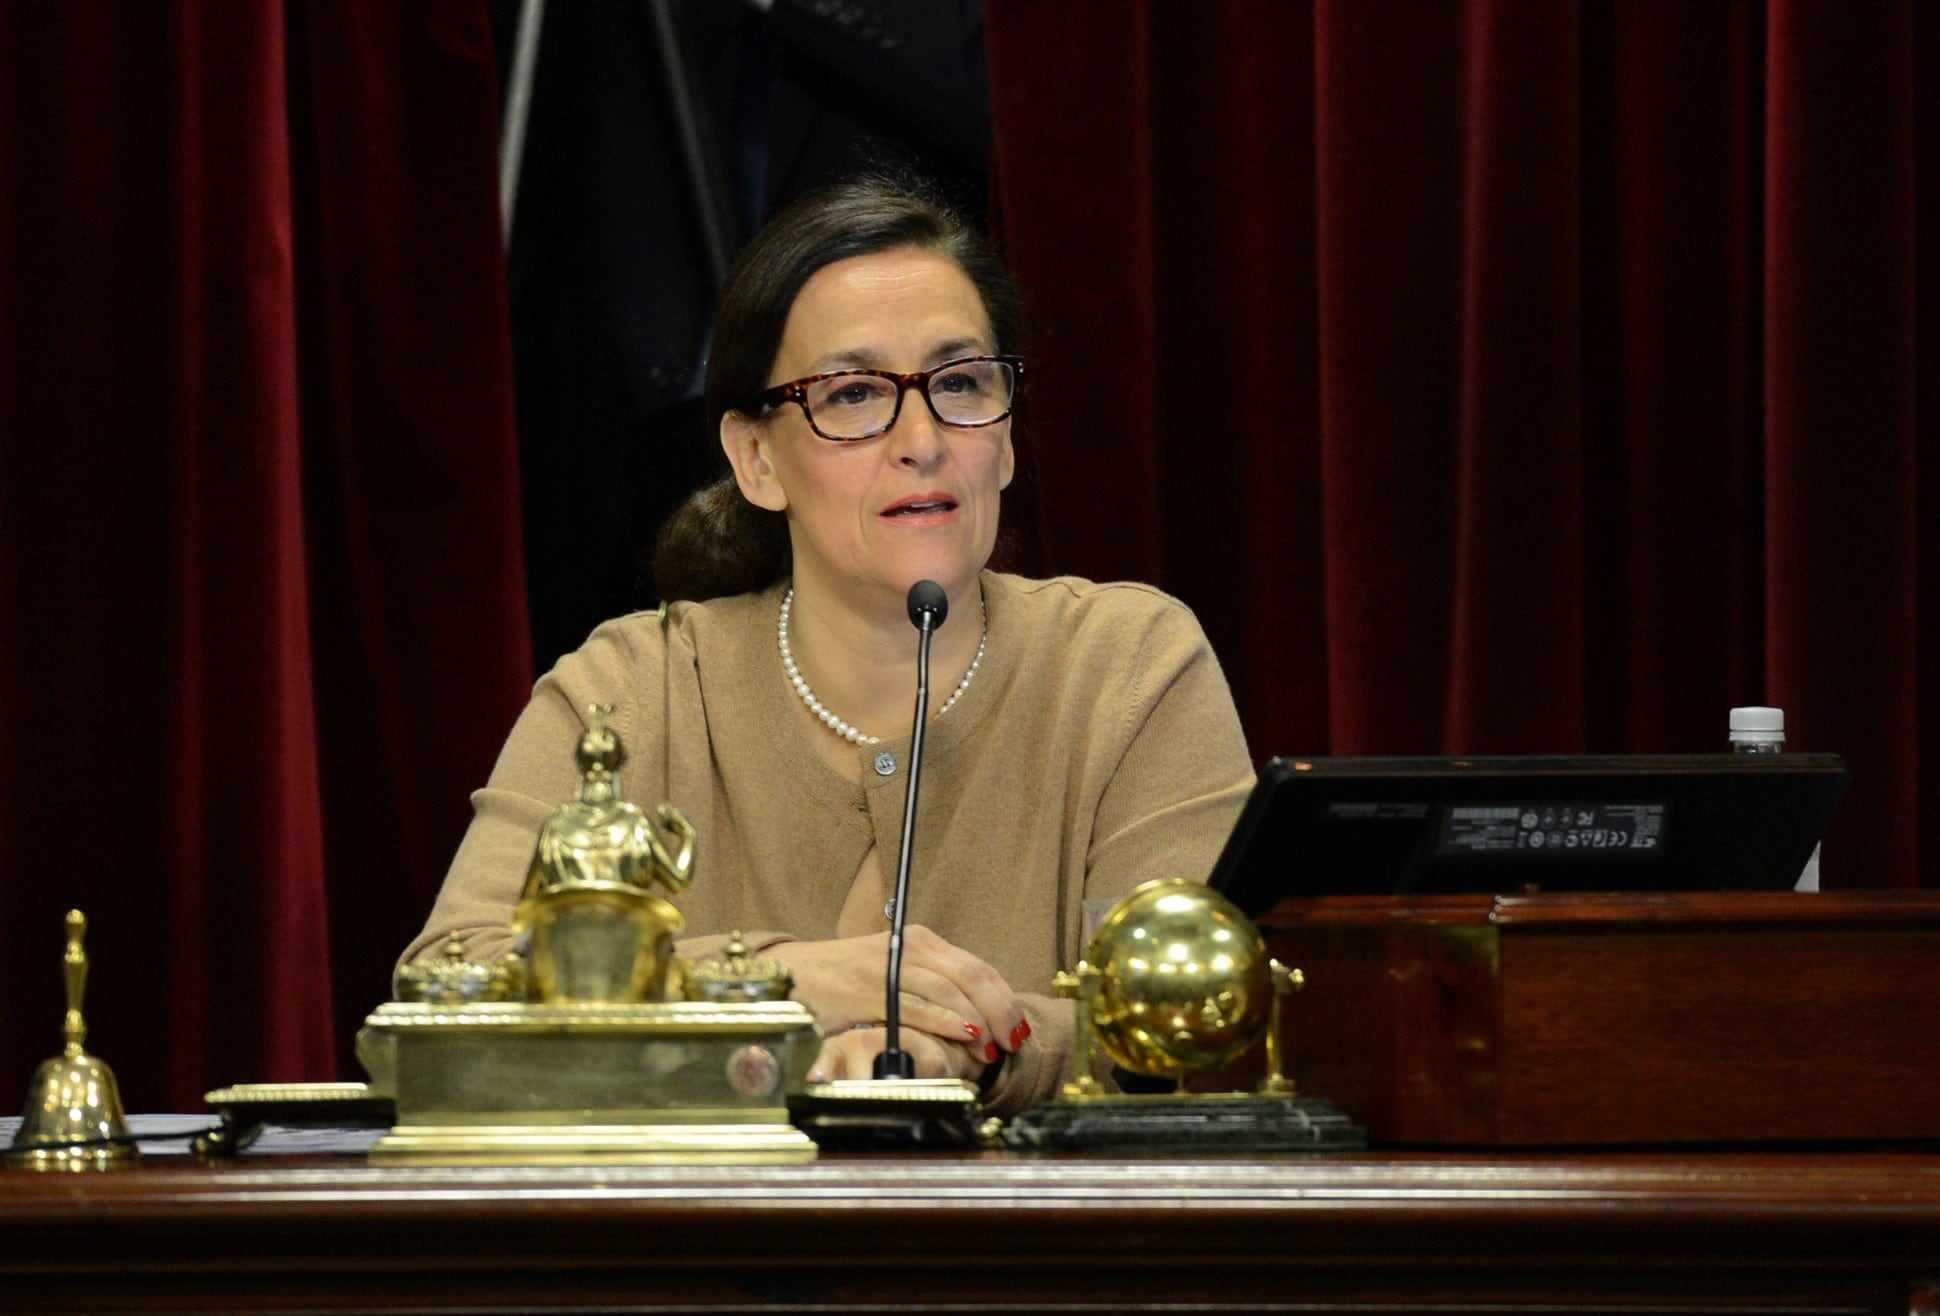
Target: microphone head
[(927, 597)]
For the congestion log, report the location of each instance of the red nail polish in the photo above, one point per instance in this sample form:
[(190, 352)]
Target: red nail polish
[(971, 1030), (1019, 1034), (990, 1053)]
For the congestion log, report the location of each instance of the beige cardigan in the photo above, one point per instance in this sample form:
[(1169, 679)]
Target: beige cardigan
[(1097, 748)]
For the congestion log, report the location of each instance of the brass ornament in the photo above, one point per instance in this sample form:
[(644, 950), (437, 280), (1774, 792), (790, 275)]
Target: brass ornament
[(73, 1118), (1179, 981), (591, 928), (451, 979), (736, 975)]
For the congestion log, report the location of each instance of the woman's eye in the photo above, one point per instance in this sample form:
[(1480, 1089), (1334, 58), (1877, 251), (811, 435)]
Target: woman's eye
[(850, 395), (957, 381)]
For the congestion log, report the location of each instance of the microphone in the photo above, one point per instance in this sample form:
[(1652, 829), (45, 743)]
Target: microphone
[(929, 606), (926, 596)]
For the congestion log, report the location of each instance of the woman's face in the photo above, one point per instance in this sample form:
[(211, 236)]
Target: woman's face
[(869, 519)]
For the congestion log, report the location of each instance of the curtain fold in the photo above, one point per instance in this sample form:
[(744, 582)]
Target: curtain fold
[(1841, 528), (1672, 365), (1521, 378), (261, 612), (421, 637)]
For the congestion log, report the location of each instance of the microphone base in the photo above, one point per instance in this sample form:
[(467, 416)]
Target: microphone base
[(896, 1065), (890, 1114)]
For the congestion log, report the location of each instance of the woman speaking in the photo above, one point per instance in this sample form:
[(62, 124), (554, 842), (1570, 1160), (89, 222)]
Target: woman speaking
[(1081, 738)]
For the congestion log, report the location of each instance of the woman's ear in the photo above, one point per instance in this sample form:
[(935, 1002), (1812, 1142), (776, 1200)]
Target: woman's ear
[(746, 444)]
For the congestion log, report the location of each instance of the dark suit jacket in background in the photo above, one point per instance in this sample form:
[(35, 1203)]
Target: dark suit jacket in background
[(612, 286)]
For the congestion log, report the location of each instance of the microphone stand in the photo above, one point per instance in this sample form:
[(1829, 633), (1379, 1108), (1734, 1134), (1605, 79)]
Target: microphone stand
[(928, 607)]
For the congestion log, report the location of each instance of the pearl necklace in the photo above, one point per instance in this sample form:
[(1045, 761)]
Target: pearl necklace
[(830, 720)]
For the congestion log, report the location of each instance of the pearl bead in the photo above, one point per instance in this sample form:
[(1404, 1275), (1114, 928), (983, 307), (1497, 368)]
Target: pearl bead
[(815, 706)]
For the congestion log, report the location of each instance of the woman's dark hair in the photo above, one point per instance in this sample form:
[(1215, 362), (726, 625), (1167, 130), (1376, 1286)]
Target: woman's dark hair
[(718, 543)]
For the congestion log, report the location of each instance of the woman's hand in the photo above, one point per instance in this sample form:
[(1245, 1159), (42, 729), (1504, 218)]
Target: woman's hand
[(947, 993), (852, 1054)]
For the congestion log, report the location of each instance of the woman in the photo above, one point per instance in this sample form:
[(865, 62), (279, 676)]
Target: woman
[(1082, 738)]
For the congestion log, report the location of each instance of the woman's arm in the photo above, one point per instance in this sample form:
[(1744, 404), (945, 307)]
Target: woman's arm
[(1181, 775)]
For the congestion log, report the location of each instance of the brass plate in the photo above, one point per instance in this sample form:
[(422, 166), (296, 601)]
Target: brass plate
[(347, 1104), (658, 1019), (248, 1108), (946, 1094), (645, 1144)]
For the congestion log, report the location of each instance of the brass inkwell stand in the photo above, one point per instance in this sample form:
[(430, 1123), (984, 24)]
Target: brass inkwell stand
[(596, 1041)]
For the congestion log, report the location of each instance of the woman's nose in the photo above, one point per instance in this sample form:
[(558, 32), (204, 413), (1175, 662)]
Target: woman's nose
[(917, 434)]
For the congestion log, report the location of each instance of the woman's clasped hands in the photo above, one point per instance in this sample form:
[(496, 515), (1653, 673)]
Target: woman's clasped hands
[(959, 1016)]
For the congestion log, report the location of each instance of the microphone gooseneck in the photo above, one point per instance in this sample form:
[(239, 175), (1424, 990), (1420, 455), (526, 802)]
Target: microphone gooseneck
[(928, 607)]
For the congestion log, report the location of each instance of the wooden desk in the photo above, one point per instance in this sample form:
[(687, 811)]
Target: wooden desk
[(1585, 1020), (1852, 1232)]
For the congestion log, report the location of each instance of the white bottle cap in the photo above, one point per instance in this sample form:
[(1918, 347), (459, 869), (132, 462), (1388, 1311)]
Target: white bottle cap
[(1758, 726)]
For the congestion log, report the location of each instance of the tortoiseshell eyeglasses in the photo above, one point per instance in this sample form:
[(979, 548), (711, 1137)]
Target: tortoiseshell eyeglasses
[(847, 406)]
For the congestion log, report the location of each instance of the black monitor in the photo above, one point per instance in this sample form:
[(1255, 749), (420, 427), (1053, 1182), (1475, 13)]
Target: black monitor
[(1396, 826)]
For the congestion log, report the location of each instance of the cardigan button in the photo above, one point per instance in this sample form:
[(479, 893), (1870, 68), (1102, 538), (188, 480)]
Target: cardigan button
[(885, 764)]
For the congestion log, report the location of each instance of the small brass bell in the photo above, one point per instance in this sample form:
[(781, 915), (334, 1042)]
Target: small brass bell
[(73, 1119)]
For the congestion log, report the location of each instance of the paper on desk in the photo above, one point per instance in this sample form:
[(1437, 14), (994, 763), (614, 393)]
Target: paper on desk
[(174, 1135)]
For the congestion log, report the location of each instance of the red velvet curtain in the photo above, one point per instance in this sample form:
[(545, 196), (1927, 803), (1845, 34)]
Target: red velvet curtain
[(1497, 376), (261, 608)]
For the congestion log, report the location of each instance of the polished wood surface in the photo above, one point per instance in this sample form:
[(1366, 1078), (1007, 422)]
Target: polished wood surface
[(1618, 1019), (992, 1232)]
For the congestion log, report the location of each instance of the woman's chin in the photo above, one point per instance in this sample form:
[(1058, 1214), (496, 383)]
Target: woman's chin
[(956, 577)]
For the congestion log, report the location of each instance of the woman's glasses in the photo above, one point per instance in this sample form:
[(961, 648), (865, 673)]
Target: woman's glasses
[(848, 405)]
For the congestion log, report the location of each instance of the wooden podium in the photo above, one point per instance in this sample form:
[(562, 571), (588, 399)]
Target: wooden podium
[(1571, 1020)]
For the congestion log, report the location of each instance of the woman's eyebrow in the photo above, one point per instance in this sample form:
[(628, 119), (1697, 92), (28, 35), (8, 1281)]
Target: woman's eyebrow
[(857, 358), (957, 347), (849, 359)]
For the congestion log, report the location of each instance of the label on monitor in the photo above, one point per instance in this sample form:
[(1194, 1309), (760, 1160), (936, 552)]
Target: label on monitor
[(1590, 830), (1378, 811)]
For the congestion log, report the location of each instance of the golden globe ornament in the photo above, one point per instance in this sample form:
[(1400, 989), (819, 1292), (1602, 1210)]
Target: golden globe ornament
[(1184, 982), (1177, 984)]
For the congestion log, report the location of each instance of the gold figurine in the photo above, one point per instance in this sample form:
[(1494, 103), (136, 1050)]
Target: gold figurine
[(592, 927)]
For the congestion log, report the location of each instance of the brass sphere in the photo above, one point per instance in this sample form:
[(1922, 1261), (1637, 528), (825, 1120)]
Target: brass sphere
[(1185, 982)]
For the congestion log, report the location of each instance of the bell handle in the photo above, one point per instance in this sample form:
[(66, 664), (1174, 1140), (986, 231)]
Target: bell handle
[(74, 968)]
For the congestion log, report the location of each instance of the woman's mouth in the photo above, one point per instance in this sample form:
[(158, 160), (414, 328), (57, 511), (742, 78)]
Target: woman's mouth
[(925, 505)]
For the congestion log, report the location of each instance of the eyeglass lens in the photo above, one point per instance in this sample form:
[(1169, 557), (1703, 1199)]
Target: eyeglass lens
[(856, 406)]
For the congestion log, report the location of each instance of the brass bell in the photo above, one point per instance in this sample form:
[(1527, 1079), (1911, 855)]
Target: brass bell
[(73, 1119)]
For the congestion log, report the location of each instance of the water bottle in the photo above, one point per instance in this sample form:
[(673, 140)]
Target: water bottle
[(1758, 730)]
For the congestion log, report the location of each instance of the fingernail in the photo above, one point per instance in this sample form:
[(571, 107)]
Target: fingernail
[(972, 1030), (990, 1053), (1019, 1034)]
